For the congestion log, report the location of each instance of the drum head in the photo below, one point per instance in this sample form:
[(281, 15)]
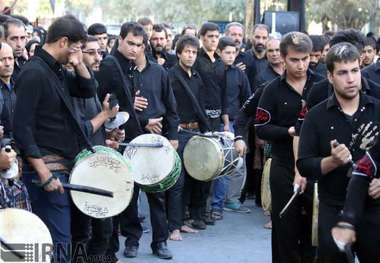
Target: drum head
[(26, 233), (203, 158), (151, 165), (105, 169)]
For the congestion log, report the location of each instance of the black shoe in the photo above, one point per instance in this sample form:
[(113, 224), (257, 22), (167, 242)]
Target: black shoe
[(161, 250), (130, 251), (208, 219), (199, 224)]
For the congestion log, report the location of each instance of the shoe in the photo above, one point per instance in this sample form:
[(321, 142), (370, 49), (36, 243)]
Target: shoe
[(199, 224), (161, 250), (236, 207), (130, 251), (217, 215), (208, 219)]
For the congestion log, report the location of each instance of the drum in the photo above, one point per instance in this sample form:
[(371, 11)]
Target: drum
[(105, 169), (25, 233), (314, 230), (206, 158), (266, 200), (155, 169)]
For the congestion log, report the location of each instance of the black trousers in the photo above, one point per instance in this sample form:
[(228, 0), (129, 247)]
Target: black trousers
[(130, 226), (291, 234), (367, 246), (91, 234), (174, 204)]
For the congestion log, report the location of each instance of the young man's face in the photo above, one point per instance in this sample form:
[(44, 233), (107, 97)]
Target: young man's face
[(228, 55), (188, 56), (259, 39), (368, 55), (237, 35), (131, 46), (158, 41), (346, 79), (273, 52), (296, 63), (210, 40), (102, 40), (315, 57), (92, 55)]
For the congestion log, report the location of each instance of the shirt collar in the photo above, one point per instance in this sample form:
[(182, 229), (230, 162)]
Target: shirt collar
[(332, 101), (203, 52), (49, 59), (184, 73)]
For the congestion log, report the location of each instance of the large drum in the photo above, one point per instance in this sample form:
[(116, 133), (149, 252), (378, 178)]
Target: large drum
[(105, 169), (206, 157), (24, 232), (155, 169)]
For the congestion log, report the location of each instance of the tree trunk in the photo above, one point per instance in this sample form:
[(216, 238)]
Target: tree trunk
[(249, 6)]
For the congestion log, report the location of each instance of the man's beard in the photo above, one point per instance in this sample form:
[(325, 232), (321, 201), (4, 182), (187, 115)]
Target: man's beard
[(260, 48), (313, 65)]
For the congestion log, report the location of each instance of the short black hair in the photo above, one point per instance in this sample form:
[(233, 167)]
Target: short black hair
[(318, 42), (11, 21), (192, 27), (160, 28), (296, 41), (226, 42), (261, 26), (96, 29), (341, 52), (88, 40), (208, 26), (370, 41), (66, 26), (184, 41), (144, 21), (135, 28), (352, 36)]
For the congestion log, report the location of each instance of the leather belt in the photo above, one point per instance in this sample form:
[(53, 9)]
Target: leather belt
[(189, 125), (53, 163)]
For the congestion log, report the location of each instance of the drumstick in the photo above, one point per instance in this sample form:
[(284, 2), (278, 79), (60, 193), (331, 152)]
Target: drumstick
[(197, 133), (349, 254), (297, 191), (11, 249), (148, 145), (82, 188)]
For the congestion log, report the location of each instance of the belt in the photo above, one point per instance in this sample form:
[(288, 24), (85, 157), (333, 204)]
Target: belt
[(189, 125), (53, 163)]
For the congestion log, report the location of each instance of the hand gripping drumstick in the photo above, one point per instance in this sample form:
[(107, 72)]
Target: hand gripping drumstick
[(82, 188), (297, 191)]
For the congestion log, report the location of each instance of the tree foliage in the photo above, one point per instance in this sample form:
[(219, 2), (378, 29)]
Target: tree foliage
[(343, 13)]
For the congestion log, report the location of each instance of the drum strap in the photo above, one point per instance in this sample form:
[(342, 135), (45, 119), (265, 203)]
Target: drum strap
[(200, 112)]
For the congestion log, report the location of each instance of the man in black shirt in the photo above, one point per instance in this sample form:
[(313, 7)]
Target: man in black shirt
[(322, 90), (15, 36), (158, 43), (315, 57), (257, 52), (45, 127), (276, 116), (369, 52), (206, 65), (188, 89), (100, 32), (331, 138)]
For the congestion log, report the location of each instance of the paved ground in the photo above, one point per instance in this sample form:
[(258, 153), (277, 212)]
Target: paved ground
[(238, 238)]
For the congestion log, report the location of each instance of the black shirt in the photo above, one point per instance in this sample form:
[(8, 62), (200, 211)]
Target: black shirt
[(44, 120), (213, 92), (19, 63), (170, 59), (259, 64), (248, 61), (266, 75), (113, 77), (236, 88), (372, 72), (189, 94), (323, 89), (153, 84), (324, 123), (9, 96), (278, 110)]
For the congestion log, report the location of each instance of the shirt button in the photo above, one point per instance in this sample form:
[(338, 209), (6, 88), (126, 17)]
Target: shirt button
[(355, 119), (332, 128)]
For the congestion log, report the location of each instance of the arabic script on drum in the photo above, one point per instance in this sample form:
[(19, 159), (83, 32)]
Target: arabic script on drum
[(105, 161), (95, 210)]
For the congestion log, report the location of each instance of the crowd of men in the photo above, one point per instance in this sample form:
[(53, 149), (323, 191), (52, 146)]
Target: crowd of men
[(308, 102)]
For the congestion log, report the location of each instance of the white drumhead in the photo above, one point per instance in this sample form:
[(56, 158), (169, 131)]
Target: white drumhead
[(105, 171), (150, 165), (26, 233), (203, 158)]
